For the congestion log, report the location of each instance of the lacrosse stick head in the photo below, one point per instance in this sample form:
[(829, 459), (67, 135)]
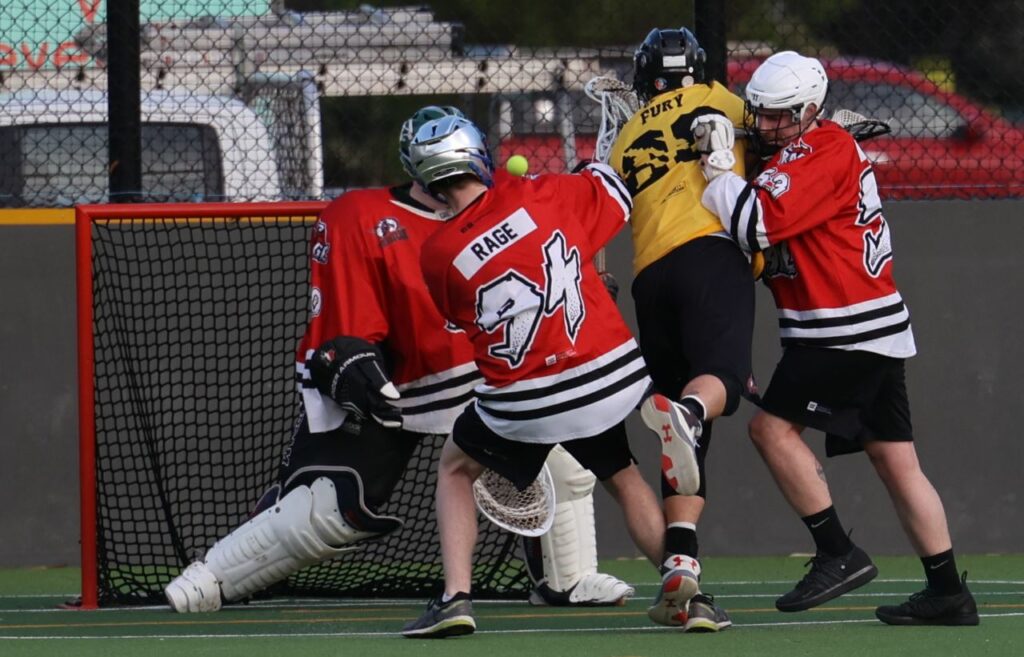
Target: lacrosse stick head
[(861, 127), (528, 512), (618, 104)]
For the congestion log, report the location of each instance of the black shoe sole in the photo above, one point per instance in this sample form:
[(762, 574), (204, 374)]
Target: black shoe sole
[(958, 621), (856, 580)]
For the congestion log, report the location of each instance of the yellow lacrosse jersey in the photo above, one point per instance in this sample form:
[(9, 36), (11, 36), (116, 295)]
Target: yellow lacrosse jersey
[(656, 157)]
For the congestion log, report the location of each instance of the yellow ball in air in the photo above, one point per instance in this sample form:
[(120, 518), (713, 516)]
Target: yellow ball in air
[(517, 165)]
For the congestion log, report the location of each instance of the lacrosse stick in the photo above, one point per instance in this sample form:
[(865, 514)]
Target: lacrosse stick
[(861, 127), (527, 512), (618, 104)]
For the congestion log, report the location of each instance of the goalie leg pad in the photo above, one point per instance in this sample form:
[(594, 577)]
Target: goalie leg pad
[(272, 546), (569, 549), (196, 589), (340, 515)]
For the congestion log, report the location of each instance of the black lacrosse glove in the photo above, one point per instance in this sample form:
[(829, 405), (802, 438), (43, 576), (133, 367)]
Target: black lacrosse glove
[(351, 372), (610, 284)]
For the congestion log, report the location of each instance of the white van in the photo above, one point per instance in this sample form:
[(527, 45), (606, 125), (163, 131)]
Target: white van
[(194, 148)]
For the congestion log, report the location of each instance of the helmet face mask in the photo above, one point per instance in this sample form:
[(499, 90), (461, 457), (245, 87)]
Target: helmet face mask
[(784, 83), (412, 125), (666, 60), (447, 148)]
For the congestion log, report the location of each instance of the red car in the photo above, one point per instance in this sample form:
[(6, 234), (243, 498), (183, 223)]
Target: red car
[(942, 145)]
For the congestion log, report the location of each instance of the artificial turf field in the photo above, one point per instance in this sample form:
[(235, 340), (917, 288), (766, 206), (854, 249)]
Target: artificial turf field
[(32, 624)]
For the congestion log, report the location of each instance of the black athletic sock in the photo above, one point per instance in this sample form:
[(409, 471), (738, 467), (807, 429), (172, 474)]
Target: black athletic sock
[(829, 536), (681, 540), (940, 570), (694, 405)]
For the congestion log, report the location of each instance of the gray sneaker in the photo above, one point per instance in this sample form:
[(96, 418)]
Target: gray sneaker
[(678, 430), (705, 616), (443, 619)]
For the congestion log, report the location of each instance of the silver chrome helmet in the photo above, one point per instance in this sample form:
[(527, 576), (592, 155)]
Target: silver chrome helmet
[(448, 147), (412, 124)]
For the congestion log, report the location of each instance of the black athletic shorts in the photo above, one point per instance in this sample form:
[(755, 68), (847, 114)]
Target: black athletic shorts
[(519, 462), (852, 396), (695, 312)]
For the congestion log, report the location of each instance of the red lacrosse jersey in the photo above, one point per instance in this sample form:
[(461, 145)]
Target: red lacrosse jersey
[(366, 282), (514, 270), (816, 214)]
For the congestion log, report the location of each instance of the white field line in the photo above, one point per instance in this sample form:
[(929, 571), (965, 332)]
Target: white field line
[(392, 635), (711, 584), (343, 604)]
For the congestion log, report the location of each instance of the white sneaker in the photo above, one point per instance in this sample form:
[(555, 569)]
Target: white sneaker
[(678, 585), (196, 589), (679, 430)]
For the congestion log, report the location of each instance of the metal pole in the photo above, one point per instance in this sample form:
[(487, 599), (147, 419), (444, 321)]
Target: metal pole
[(709, 23), (124, 83)]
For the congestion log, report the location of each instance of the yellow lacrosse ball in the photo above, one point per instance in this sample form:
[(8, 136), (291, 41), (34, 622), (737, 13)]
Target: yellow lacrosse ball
[(517, 165)]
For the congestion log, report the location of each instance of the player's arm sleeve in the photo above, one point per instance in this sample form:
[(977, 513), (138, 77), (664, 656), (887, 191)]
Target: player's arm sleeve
[(601, 202), (349, 280), (781, 202)]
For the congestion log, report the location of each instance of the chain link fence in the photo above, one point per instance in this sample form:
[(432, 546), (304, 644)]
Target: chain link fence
[(265, 100)]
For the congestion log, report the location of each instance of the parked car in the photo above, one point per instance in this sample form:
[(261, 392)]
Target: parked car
[(942, 144), (265, 145)]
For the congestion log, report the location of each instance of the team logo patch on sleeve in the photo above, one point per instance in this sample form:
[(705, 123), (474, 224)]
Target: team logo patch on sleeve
[(321, 248), (316, 301), (389, 231)]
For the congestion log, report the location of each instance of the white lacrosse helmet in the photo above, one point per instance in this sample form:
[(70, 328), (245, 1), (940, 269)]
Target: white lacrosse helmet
[(447, 147), (788, 80)]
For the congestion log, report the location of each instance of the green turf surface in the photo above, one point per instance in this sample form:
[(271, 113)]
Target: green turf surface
[(31, 624)]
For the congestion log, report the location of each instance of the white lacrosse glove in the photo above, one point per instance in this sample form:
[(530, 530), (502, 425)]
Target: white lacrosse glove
[(715, 164), (713, 132)]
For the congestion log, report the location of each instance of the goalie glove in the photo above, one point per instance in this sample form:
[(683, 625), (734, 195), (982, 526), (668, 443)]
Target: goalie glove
[(713, 132), (350, 371)]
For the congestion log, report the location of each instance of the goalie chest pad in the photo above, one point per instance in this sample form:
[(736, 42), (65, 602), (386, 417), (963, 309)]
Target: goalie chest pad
[(366, 283)]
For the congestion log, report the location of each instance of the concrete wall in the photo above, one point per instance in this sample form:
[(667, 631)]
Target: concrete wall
[(956, 263)]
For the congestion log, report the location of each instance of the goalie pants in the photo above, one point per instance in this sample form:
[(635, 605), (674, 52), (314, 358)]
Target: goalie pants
[(379, 455), (520, 462)]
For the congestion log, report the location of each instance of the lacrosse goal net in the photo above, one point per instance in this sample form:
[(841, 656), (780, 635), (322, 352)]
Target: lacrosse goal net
[(189, 316)]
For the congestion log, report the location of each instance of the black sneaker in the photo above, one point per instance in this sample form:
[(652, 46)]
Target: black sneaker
[(930, 607), (704, 615), (828, 578), (443, 619)]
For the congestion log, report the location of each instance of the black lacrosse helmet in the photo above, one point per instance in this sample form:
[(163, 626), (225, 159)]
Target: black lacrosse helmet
[(667, 59)]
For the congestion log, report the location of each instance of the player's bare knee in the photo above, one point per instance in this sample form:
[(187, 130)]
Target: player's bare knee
[(759, 430), (623, 482), (895, 462)]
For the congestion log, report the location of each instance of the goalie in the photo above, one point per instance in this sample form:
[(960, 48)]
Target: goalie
[(379, 370)]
